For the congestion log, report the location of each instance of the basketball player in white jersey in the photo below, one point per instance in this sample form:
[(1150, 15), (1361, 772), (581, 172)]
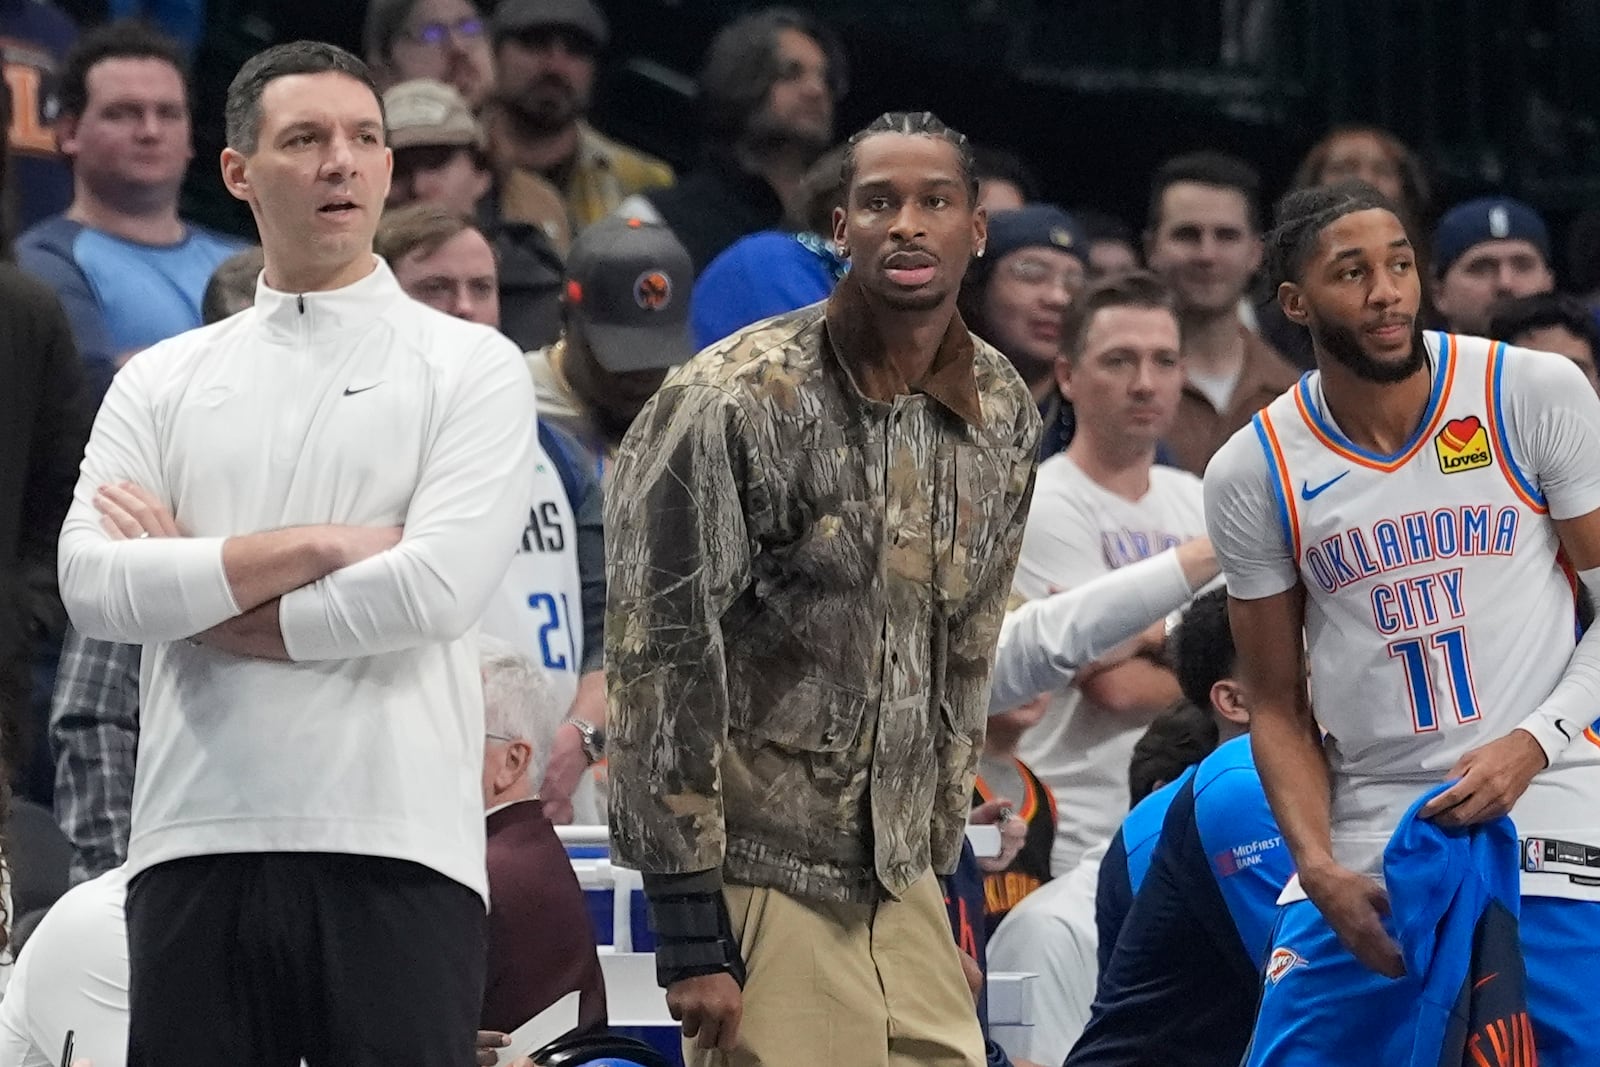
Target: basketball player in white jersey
[(1419, 507)]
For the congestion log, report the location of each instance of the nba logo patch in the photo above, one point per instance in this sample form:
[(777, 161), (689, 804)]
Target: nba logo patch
[(1463, 445), (1281, 962), (1533, 854)]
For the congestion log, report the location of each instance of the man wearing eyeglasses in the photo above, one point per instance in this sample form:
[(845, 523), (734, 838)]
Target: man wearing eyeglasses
[(446, 40), (546, 53), (1015, 298)]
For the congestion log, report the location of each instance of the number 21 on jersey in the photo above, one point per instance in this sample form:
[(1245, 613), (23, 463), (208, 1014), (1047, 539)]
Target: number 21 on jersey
[(1421, 656), (555, 631)]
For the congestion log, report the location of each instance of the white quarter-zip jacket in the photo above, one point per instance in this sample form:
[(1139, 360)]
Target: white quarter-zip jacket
[(357, 406)]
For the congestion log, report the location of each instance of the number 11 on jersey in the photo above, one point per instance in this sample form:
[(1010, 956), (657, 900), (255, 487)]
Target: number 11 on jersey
[(1414, 654)]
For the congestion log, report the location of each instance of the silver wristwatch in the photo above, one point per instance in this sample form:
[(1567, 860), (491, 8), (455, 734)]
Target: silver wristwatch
[(594, 740)]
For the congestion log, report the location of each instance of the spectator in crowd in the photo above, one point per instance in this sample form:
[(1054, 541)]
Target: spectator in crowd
[(767, 95), (541, 945), (444, 40), (625, 322), (44, 420), (438, 145), (441, 259), (746, 618), (1204, 240), (1052, 933), (129, 271), (1366, 153), (439, 160), (34, 41), (553, 598), (1113, 249), (1485, 251), (774, 271), (1373, 155), (232, 287), (547, 52), (94, 732), (1005, 182), (384, 842), (1002, 774), (1100, 505), (1182, 967), (1550, 322), (1015, 298)]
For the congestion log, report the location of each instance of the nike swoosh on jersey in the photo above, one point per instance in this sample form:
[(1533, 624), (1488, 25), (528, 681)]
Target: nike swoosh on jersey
[(1308, 493), (352, 392)]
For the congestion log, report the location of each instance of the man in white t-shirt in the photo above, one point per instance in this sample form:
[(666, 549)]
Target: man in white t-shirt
[(301, 513), (1102, 504)]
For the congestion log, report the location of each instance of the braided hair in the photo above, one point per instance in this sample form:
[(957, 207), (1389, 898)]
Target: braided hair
[(1305, 213), (915, 124)]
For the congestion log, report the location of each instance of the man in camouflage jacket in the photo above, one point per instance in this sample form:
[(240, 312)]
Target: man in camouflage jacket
[(810, 552)]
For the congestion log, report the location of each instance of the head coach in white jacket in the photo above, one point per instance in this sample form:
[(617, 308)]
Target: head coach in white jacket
[(300, 512)]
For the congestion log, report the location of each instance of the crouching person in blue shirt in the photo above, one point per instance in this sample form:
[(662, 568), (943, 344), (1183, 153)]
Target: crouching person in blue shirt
[(1186, 968)]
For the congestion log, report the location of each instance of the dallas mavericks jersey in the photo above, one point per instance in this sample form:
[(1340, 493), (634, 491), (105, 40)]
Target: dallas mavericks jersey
[(539, 605), (1438, 611)]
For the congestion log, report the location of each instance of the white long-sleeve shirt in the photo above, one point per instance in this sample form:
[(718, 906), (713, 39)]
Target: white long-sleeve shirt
[(361, 407), (1046, 642)]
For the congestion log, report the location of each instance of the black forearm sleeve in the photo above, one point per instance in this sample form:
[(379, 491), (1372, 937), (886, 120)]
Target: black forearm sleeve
[(694, 937)]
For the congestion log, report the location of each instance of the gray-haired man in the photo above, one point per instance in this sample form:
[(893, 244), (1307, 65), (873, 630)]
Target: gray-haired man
[(540, 944)]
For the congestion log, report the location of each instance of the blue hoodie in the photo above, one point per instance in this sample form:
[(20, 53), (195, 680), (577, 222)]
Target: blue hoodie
[(1454, 896)]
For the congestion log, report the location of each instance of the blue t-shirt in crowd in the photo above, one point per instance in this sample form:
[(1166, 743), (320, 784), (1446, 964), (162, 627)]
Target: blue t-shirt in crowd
[(1126, 861), (760, 276), (121, 296), (1185, 970)]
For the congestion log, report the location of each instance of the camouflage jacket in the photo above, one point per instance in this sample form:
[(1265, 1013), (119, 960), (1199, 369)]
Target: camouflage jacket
[(808, 563)]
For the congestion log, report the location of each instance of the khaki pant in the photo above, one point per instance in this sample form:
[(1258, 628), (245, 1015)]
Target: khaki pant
[(849, 985)]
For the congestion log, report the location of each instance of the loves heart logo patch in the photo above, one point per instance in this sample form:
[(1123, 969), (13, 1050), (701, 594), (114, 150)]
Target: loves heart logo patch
[(1463, 445)]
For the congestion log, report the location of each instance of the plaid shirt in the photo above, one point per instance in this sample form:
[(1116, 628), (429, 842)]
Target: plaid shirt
[(94, 725)]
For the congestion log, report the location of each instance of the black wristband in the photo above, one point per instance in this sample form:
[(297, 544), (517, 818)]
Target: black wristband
[(694, 937)]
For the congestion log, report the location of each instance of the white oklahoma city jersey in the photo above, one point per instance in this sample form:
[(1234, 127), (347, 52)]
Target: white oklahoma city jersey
[(1438, 612), (539, 607)]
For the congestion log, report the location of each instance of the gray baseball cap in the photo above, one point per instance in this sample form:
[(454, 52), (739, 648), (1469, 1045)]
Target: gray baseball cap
[(424, 112), (628, 285)]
